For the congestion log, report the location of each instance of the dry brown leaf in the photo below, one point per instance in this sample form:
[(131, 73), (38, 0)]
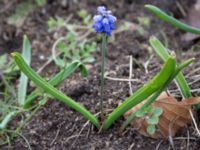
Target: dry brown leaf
[(175, 116)]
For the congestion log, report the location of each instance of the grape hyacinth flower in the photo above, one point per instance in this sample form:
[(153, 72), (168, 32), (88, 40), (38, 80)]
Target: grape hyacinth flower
[(103, 23)]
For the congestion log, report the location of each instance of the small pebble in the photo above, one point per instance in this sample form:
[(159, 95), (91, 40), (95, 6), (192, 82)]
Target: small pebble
[(41, 57)]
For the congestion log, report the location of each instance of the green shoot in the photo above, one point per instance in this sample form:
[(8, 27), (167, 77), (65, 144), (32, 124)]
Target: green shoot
[(23, 81), (54, 24), (143, 22), (75, 50), (164, 54), (169, 19), (156, 93), (86, 18), (144, 92), (6, 119), (48, 88), (57, 79)]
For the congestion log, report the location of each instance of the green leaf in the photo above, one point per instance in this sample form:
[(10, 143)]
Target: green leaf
[(145, 21), (88, 59), (40, 2), (57, 79), (157, 111), (3, 61), (60, 22), (140, 113), (23, 81), (158, 92), (169, 19), (51, 24), (82, 13), (6, 119), (144, 92), (60, 62), (87, 19), (151, 129), (153, 120), (21, 11), (164, 54), (49, 89), (71, 37)]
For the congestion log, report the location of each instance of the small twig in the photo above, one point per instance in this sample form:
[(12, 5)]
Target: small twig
[(68, 18), (78, 135), (194, 76), (146, 64), (57, 133), (84, 35), (179, 89), (192, 72), (131, 146), (7, 6), (181, 9), (170, 132), (53, 50), (84, 126), (71, 137), (192, 90), (188, 140), (184, 138), (23, 137), (158, 146), (120, 79), (195, 80), (130, 75), (194, 122)]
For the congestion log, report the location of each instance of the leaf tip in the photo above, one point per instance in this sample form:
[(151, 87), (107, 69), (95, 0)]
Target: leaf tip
[(13, 54)]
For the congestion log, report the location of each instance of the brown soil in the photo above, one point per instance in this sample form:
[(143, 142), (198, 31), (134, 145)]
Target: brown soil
[(55, 126)]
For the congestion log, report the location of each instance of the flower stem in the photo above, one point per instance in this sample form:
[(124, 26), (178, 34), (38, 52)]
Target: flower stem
[(103, 56)]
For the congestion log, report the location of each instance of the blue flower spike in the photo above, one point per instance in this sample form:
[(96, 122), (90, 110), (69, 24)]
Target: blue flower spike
[(104, 21)]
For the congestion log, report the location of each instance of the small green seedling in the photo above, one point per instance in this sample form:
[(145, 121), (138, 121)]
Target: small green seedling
[(74, 50), (151, 115), (143, 22), (22, 10), (55, 24), (40, 2), (86, 18)]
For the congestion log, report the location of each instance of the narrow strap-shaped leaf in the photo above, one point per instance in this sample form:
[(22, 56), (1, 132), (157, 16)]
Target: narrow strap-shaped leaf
[(144, 92), (23, 81), (48, 88), (57, 79), (156, 94), (163, 54), (169, 19), (6, 119)]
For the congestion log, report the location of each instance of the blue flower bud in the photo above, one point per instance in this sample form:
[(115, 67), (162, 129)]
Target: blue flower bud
[(104, 21)]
